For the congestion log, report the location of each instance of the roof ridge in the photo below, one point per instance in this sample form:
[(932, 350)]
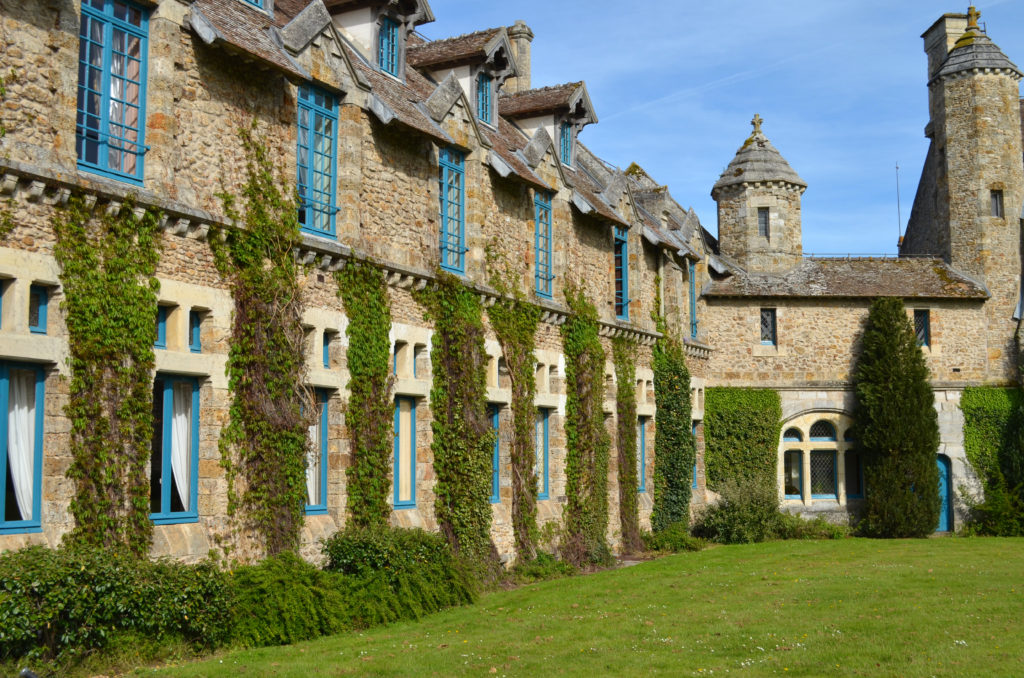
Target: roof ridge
[(471, 34), (546, 88)]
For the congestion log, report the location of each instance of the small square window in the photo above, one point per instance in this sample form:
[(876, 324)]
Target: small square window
[(195, 344), (997, 204), (768, 327), (922, 326), (37, 299), (763, 225)]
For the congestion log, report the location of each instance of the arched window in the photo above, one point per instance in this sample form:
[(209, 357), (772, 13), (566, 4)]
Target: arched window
[(792, 435), (823, 431), (848, 436)]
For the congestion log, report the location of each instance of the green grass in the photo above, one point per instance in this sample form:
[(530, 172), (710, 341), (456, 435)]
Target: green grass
[(853, 607)]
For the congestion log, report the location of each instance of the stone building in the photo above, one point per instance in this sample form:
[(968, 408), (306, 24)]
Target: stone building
[(420, 155)]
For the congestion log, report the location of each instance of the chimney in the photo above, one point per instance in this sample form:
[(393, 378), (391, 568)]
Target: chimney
[(940, 38), (520, 36)]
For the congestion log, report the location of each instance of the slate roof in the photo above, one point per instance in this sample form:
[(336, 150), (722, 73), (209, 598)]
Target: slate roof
[(921, 278), (590, 190), (248, 29), (757, 160), (537, 101), (975, 50), (508, 142), (451, 51)]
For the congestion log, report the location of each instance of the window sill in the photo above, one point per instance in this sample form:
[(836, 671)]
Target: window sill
[(404, 507), (21, 528), (173, 518), (316, 510), (91, 169)]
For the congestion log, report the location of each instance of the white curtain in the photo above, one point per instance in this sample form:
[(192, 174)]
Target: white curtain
[(313, 461), (181, 441), (21, 419)]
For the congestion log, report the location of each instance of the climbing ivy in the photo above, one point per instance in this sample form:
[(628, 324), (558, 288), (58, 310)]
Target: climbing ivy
[(6, 220), (741, 434), (108, 264), (515, 321), (463, 438), (586, 465), (264, 443), (369, 415), (624, 357)]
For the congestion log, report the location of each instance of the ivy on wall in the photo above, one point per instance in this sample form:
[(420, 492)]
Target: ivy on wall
[(6, 220), (991, 427), (263, 446), (624, 358), (108, 264), (369, 414), (515, 321), (675, 449), (586, 466), (463, 438), (741, 434)]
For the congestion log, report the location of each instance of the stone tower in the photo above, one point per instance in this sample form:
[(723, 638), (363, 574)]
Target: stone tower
[(974, 94), (758, 198)]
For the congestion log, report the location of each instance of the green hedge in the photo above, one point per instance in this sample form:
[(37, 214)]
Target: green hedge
[(991, 426), (741, 434), (58, 605)]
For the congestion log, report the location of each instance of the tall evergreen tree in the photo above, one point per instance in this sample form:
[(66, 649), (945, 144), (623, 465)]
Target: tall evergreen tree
[(896, 426)]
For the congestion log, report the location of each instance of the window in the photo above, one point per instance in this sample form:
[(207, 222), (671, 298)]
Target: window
[(316, 160), (328, 337), (823, 474), (195, 343), (793, 474), (540, 436), (161, 327), (542, 243), (405, 453), (387, 54), (174, 463), (768, 335), (256, 3), (763, 227), (997, 204), (450, 177), (21, 447), (37, 298), (693, 478), (316, 456), (641, 454), (792, 435), (693, 299), (822, 431), (854, 468), (565, 142), (922, 327), (495, 462), (484, 84), (621, 253), (110, 123)]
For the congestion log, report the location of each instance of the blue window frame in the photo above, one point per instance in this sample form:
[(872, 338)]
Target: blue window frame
[(493, 413), (405, 453), (692, 271), (161, 327), (792, 435), (316, 456), (451, 191), (195, 343), (769, 337), (854, 468), (21, 447), (641, 454), (256, 3), (317, 160), (328, 336), (823, 431), (387, 47), (793, 474), (565, 142), (38, 296), (541, 440), (542, 243), (693, 478), (111, 114), (621, 254), (174, 462), (484, 88), (922, 327)]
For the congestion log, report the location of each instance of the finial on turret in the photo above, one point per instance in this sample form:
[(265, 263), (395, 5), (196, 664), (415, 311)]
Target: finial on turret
[(972, 18), (756, 122)]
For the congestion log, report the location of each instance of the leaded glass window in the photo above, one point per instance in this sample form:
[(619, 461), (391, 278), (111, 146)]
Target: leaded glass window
[(823, 473), (922, 326), (768, 335)]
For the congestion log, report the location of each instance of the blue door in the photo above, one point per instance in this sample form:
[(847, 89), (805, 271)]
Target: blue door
[(945, 517)]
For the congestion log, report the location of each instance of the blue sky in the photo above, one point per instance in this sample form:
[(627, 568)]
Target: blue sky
[(841, 86)]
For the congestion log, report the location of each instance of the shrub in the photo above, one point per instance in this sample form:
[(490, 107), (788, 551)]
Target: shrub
[(410, 573), (544, 566), (747, 512), (58, 605), (794, 527), (741, 434), (674, 539), (897, 426), (284, 599), (1001, 514)]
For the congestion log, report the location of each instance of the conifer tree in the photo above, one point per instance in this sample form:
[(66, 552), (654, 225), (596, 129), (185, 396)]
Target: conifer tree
[(896, 426)]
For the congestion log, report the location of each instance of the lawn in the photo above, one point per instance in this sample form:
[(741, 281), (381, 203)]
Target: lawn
[(935, 607)]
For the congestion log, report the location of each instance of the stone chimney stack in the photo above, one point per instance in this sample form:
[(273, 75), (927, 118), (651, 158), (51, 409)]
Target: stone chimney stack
[(940, 38), (520, 36)]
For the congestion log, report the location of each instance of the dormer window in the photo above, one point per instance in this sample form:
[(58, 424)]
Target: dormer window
[(565, 137), (387, 53), (484, 89), (255, 3)]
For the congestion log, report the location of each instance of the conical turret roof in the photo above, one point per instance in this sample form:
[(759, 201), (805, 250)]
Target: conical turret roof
[(974, 50), (757, 161)]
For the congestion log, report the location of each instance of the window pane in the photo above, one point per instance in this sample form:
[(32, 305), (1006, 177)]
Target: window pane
[(823, 473), (853, 472), (823, 430), (792, 473)]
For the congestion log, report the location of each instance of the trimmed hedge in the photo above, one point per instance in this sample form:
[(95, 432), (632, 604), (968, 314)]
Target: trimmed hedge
[(991, 427), (741, 435)]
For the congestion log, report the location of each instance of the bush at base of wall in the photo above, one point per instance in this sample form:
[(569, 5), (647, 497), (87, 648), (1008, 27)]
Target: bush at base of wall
[(741, 434)]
